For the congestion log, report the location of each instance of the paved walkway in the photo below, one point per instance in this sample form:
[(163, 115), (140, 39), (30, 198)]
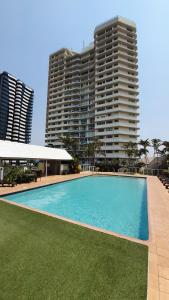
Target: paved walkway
[(158, 260)]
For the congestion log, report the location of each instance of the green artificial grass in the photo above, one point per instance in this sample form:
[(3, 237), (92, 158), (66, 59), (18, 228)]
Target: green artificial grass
[(45, 258)]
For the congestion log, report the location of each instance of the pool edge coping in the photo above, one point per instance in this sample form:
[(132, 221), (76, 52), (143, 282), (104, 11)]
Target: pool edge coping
[(42, 186)]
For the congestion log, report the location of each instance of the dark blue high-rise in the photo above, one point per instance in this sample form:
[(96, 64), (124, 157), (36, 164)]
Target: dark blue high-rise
[(16, 106)]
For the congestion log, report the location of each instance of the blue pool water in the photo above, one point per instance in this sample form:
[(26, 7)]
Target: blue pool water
[(113, 203)]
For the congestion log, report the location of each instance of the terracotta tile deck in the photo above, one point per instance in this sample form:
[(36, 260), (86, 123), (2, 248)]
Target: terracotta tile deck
[(41, 182), (158, 207), (158, 262)]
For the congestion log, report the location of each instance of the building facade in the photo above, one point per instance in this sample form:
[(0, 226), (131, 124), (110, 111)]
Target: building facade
[(16, 105), (95, 93)]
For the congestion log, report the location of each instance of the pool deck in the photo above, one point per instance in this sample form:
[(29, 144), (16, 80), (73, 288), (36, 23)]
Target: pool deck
[(158, 208), (158, 260)]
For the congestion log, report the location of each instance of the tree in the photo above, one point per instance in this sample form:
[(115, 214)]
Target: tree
[(131, 151), (71, 145), (94, 148), (165, 152), (115, 164), (144, 151), (156, 143), (166, 147)]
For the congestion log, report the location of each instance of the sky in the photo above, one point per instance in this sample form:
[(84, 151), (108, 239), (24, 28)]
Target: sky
[(31, 30)]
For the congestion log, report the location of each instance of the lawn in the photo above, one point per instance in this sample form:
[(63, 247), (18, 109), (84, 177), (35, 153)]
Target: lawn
[(45, 258)]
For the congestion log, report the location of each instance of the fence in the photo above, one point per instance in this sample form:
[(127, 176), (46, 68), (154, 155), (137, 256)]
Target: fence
[(87, 168)]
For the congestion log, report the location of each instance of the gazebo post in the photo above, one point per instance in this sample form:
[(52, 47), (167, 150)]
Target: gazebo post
[(46, 168), (59, 167)]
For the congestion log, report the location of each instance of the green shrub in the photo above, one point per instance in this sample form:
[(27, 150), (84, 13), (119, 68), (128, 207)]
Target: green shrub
[(14, 174)]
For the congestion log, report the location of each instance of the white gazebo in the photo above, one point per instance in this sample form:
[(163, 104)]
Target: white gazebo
[(19, 151)]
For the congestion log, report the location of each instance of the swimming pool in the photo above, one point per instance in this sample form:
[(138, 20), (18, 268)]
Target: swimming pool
[(114, 203)]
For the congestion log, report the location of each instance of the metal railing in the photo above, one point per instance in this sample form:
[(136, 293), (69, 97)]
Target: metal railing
[(87, 168)]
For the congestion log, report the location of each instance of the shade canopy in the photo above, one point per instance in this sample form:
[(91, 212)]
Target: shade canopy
[(13, 150)]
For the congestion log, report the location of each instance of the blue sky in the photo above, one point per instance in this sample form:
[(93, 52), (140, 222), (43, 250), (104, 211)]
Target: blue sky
[(32, 29)]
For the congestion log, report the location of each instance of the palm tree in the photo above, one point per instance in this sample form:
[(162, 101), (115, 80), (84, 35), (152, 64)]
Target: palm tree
[(156, 143), (144, 151), (71, 145), (131, 151), (115, 163), (166, 147), (94, 148), (165, 150)]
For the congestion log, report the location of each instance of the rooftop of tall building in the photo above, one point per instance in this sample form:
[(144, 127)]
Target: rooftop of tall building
[(114, 20)]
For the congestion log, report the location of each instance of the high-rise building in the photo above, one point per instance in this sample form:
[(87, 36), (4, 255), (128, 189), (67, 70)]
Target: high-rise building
[(94, 93), (16, 104)]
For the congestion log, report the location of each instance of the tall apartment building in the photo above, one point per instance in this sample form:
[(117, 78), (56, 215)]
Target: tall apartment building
[(16, 104), (94, 93)]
